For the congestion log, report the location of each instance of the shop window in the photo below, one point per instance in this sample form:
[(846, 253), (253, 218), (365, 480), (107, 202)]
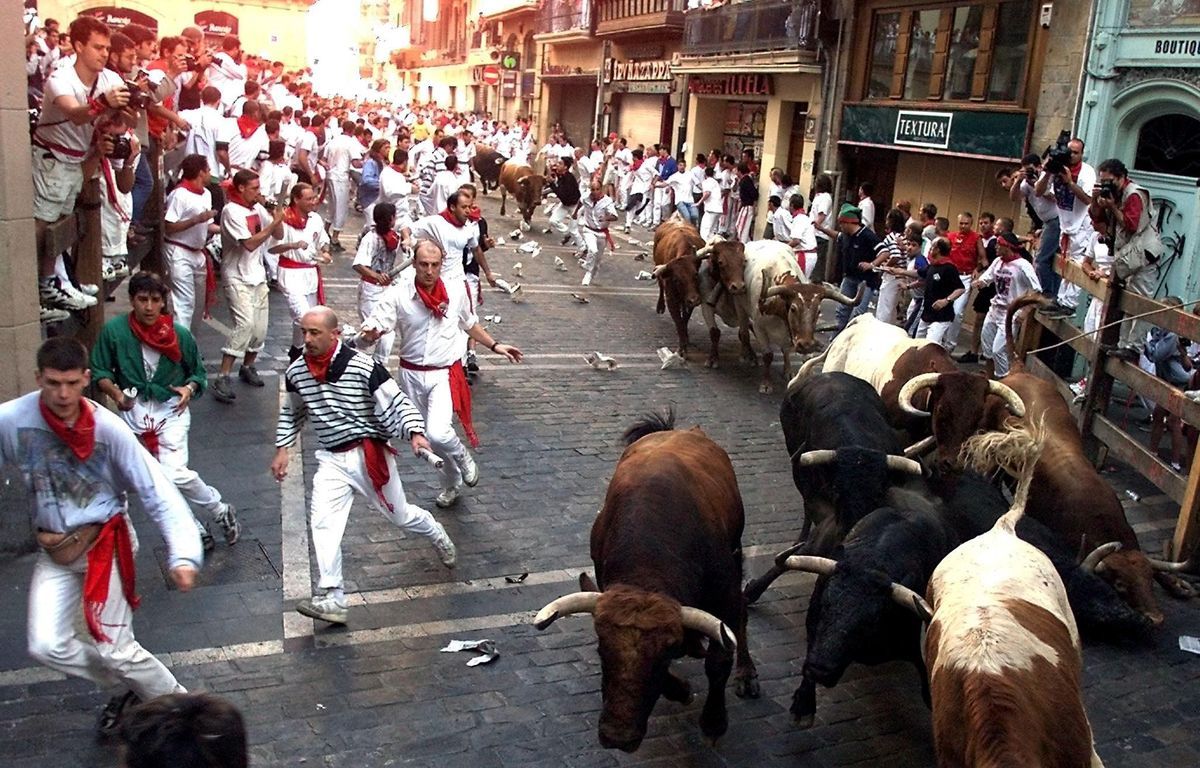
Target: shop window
[(964, 51), (923, 40), (1011, 50), (883, 55), (1169, 144)]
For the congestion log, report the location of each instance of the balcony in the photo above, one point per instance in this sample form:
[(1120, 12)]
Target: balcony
[(565, 21), (753, 27), (619, 17)]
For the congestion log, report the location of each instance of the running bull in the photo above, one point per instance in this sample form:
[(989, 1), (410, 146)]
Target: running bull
[(677, 271), (519, 180)]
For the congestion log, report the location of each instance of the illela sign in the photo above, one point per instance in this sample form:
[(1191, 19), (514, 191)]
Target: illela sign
[(923, 129)]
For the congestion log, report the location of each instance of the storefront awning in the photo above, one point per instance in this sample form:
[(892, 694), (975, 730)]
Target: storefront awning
[(119, 18), (217, 23)]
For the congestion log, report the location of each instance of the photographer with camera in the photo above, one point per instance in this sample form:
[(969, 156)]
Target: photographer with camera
[(120, 154), (1072, 181), (1134, 241), (191, 83), (76, 97), (227, 72), (1045, 208)]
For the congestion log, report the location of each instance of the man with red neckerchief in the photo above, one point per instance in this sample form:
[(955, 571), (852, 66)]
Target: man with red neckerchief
[(431, 315), (187, 224), (355, 408), (151, 368), (302, 248), (79, 461)]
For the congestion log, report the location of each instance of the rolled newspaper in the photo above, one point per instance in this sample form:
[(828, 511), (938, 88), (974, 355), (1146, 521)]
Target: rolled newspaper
[(434, 460)]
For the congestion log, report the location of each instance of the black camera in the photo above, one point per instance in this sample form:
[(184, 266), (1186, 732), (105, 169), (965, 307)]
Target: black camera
[(191, 63), (122, 148), (1031, 174), (1108, 189), (269, 204), (1058, 157), (138, 99)]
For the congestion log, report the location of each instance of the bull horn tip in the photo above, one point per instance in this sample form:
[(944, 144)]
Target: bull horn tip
[(544, 619)]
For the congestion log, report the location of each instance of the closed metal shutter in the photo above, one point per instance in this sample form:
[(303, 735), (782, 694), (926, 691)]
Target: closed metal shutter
[(640, 118)]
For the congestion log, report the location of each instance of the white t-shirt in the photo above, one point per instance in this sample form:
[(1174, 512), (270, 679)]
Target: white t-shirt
[(822, 203), (244, 152), (1044, 206), (227, 76), (453, 240), (422, 337), (867, 206), (308, 143), (781, 223), (69, 142), (339, 152), (802, 229), (1072, 211), (395, 188), (445, 183), (710, 190), (595, 215), (680, 183), (238, 224), (1012, 279), (208, 127), (182, 205)]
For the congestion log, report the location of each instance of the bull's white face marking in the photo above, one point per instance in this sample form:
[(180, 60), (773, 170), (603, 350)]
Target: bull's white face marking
[(978, 631)]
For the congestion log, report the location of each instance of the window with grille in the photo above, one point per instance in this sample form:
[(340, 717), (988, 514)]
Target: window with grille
[(1169, 144)]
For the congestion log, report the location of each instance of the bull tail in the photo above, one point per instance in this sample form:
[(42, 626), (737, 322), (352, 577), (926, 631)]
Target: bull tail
[(648, 424), (1016, 364), (1015, 450)]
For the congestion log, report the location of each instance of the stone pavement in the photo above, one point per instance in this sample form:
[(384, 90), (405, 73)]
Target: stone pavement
[(378, 692)]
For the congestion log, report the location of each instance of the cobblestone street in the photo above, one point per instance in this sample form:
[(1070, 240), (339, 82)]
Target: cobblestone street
[(378, 692)]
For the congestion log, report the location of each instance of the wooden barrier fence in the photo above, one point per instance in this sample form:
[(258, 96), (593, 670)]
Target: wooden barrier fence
[(1103, 370)]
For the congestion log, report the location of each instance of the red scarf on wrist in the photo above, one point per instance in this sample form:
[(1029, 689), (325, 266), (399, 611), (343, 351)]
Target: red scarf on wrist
[(391, 240), (293, 218), (80, 438), (160, 337), (247, 126), (436, 300), (113, 540), (319, 366), (445, 214), (193, 186)]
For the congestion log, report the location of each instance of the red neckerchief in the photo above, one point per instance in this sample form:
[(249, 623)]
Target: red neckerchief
[(474, 214), (445, 214), (293, 218), (247, 125), (391, 240), (113, 540), (80, 438), (160, 337), (436, 300), (253, 222), (193, 186), (637, 163), (319, 366)]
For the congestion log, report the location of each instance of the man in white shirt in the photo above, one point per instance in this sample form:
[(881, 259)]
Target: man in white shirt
[(291, 133), (1072, 188), (466, 148), (433, 316), (779, 216), (1045, 207), (186, 224), (227, 72), (596, 213), (76, 98), (431, 164), (245, 228), (208, 129), (866, 204), (246, 139), (802, 235), (454, 232), (395, 188), (621, 159), (679, 185), (302, 248), (342, 152), (642, 184), (447, 181)]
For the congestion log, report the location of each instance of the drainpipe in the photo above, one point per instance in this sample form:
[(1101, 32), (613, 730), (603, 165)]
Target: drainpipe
[(830, 117), (1084, 75)]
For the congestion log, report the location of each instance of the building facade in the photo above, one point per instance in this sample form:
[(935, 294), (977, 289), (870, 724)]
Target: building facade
[(569, 61), (1141, 104)]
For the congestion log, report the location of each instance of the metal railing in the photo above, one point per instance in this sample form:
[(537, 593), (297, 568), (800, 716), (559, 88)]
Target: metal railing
[(613, 10), (565, 16), (767, 25)]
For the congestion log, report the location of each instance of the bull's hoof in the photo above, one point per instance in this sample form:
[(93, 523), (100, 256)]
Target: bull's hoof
[(766, 388), (713, 725), (712, 362), (804, 706), (746, 686)]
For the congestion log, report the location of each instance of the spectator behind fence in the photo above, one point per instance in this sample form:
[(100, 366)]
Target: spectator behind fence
[(184, 730), (1168, 352), (1045, 209)]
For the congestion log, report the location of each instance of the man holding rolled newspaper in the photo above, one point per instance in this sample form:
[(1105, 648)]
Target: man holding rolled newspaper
[(355, 407)]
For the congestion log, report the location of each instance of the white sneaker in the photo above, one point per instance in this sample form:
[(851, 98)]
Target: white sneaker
[(89, 289), (469, 469), (54, 296), (324, 608), (447, 498), (75, 294), (52, 315), (446, 551)]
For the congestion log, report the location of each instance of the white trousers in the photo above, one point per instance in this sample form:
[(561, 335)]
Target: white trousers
[(662, 198), (299, 285), (55, 597), (596, 244), (430, 392), (339, 202), (565, 224), (1075, 248), (172, 430), (339, 476), (888, 298), (960, 307), (935, 332), (369, 296), (992, 340), (189, 275), (709, 223)]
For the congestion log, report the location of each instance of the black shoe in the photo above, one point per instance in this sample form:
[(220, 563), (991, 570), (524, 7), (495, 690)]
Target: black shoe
[(222, 390), (1128, 354), (1056, 310), (249, 375), (968, 357), (114, 710)]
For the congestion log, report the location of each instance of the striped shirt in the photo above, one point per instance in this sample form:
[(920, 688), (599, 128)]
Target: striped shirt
[(358, 400)]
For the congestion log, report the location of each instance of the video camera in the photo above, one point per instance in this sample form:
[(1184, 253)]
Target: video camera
[(1058, 157)]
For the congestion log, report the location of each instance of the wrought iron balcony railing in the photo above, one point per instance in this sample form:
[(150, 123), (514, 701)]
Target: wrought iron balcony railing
[(565, 16), (767, 25)]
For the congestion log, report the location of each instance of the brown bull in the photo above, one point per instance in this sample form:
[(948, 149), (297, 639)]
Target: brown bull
[(487, 163), (668, 557), (677, 269), (1068, 495), (519, 180), (798, 304)]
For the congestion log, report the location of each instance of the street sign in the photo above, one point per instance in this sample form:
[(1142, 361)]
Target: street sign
[(490, 75), (510, 61)]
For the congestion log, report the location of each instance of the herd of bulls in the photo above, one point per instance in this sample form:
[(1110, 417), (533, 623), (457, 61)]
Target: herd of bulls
[(919, 553)]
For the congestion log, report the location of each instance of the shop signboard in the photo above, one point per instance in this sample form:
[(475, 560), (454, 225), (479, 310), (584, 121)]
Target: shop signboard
[(119, 18), (731, 85), (1158, 48), (217, 23), (969, 133)]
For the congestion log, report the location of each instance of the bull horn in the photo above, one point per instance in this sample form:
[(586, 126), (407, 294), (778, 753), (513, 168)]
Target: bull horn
[(1093, 559), (822, 566), (912, 387), (781, 290), (577, 602), (835, 294), (912, 601), (700, 254), (522, 179), (1016, 406), (920, 447), (1169, 567), (706, 623), (905, 464), (714, 239), (816, 458)]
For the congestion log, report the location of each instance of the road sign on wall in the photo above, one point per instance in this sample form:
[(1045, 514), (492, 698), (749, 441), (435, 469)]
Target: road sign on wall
[(490, 75)]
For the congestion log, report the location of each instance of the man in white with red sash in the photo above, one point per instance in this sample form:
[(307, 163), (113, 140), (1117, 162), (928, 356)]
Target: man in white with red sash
[(186, 226), (302, 248), (79, 462), (431, 316), (355, 407)]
